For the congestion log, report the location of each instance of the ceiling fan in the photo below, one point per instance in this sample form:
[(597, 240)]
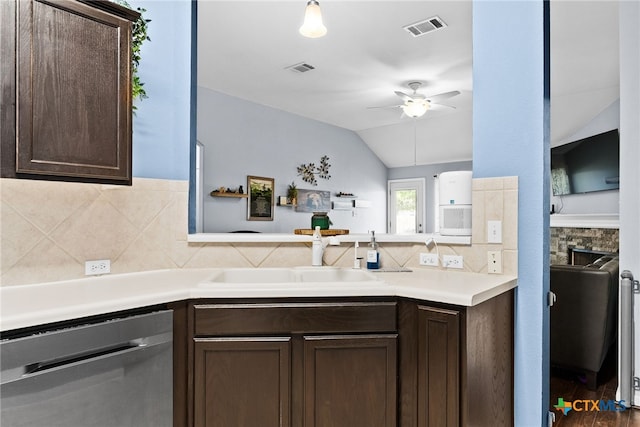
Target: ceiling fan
[(416, 104)]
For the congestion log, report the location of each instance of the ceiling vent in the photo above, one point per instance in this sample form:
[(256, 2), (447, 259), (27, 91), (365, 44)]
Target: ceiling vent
[(301, 67), (426, 26)]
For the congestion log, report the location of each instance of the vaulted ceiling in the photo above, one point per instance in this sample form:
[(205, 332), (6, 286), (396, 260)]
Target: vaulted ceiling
[(246, 47)]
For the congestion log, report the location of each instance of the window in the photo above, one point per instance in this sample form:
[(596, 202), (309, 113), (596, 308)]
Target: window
[(406, 206)]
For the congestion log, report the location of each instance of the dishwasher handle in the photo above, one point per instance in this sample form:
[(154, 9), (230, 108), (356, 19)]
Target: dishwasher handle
[(74, 360)]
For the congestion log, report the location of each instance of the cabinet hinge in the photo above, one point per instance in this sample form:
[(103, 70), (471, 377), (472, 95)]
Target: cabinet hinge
[(636, 383)]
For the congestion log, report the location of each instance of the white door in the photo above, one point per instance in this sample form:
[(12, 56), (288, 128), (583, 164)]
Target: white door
[(406, 206)]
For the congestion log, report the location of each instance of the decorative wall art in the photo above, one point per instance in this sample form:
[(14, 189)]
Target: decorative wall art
[(261, 198), (309, 171), (313, 201)]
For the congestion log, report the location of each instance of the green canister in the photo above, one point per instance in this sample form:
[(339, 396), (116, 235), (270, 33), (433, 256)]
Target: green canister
[(320, 219)]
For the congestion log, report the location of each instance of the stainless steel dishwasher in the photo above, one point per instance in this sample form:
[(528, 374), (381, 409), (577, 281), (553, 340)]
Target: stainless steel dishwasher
[(113, 373)]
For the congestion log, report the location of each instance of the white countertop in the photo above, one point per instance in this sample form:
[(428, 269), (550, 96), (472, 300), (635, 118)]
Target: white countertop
[(32, 305)]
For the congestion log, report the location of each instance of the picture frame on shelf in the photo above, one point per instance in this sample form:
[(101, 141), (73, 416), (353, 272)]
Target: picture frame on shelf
[(261, 198), (313, 201)]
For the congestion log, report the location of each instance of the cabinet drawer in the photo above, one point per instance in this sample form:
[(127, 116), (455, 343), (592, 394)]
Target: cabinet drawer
[(288, 318)]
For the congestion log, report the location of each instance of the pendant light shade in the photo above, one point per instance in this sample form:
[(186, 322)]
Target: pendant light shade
[(415, 108), (313, 26)]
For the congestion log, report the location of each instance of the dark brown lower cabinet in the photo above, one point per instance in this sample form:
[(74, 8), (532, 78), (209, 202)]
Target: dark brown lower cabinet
[(438, 367), (350, 381), (280, 364), (456, 363), (346, 363), (242, 382)]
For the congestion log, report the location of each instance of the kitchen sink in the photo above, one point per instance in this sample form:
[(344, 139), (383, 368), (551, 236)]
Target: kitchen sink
[(297, 276), (333, 274), (254, 275)]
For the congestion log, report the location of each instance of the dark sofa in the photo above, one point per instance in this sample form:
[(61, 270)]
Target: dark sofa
[(584, 316)]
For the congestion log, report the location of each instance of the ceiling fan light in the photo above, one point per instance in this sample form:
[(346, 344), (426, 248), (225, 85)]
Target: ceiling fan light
[(313, 26), (415, 109)]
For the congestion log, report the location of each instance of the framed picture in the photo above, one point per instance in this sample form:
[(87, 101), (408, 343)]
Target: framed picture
[(313, 201), (260, 204)]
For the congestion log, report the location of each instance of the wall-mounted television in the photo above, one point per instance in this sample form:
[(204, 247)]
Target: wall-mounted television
[(586, 165)]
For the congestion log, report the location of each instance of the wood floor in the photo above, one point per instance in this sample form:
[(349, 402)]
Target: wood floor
[(567, 385)]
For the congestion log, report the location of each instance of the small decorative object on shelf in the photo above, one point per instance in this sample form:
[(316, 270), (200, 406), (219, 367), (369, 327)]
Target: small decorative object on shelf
[(292, 194), (309, 171)]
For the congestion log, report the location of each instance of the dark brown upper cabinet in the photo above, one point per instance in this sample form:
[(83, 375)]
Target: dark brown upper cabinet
[(70, 68)]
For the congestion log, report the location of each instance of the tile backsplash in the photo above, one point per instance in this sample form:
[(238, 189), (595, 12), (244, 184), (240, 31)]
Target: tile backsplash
[(49, 229)]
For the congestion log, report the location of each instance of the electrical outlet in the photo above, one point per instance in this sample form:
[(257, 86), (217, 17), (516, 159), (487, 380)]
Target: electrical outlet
[(102, 266), (494, 262), (452, 261), (429, 259)]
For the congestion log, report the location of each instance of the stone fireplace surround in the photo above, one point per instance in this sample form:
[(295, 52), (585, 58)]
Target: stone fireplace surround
[(564, 239)]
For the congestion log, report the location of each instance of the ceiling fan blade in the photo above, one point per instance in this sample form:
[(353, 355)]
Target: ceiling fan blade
[(443, 96), (385, 106), (435, 106), (404, 96)]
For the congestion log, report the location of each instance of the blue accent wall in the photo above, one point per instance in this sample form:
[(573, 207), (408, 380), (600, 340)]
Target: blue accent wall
[(162, 123), (511, 138)]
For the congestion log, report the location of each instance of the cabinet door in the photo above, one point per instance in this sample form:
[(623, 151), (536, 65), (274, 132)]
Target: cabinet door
[(438, 367), (350, 381), (74, 91), (242, 382)]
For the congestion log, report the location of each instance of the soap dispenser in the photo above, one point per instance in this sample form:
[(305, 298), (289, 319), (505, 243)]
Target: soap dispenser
[(373, 256), (316, 248)]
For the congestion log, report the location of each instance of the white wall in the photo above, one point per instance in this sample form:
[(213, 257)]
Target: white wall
[(601, 202), (243, 138)]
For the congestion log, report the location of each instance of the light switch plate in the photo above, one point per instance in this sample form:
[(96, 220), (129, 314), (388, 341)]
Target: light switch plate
[(494, 231)]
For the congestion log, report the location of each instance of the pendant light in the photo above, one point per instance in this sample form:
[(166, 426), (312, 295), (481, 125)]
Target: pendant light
[(313, 26)]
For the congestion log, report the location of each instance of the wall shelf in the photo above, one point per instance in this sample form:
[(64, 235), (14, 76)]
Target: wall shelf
[(236, 195), (585, 220)]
